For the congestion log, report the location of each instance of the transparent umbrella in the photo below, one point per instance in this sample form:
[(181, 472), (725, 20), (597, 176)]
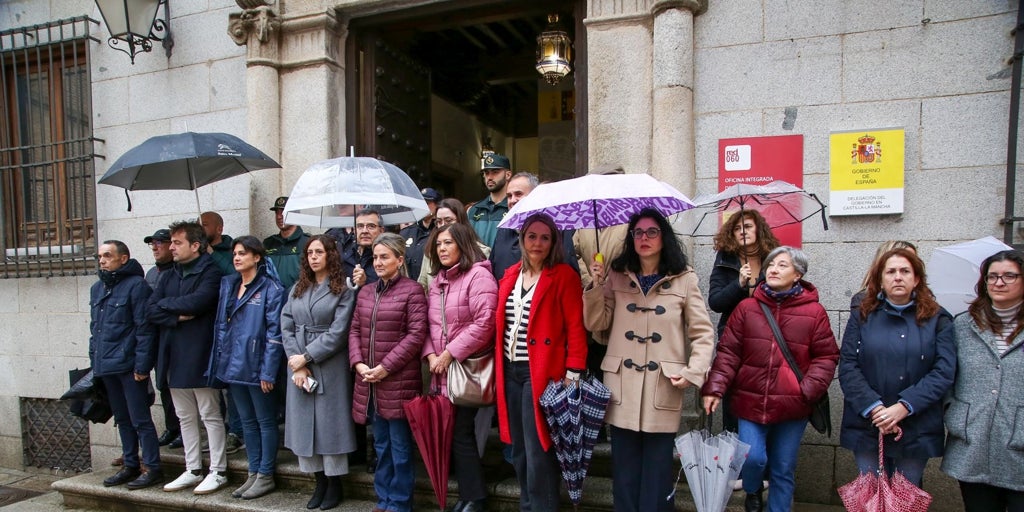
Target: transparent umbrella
[(330, 193)]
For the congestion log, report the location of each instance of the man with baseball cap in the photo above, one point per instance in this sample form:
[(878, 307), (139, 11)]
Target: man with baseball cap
[(285, 248), (485, 215), (160, 243), (416, 234)]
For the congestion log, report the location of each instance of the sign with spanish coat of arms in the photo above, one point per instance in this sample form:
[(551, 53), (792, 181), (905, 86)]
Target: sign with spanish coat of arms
[(866, 172)]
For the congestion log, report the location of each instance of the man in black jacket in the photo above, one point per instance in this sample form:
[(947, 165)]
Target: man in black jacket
[(183, 307), (121, 349), (416, 234), (160, 243)]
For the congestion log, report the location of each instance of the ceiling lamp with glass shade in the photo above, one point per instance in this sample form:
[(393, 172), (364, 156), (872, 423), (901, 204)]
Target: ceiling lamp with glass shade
[(554, 51)]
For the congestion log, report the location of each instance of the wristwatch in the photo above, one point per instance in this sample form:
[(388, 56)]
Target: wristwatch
[(307, 357)]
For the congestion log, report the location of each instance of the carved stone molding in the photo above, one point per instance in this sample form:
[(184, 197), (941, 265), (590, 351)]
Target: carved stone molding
[(694, 6), (258, 21)]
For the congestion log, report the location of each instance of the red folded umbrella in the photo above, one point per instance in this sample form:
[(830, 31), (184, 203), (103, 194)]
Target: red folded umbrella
[(432, 421), (879, 493)]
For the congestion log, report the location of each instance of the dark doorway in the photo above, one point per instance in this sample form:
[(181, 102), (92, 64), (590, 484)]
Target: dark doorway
[(471, 57)]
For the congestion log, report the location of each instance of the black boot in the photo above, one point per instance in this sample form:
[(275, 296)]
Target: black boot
[(333, 495), (474, 506), (318, 491), (754, 502)]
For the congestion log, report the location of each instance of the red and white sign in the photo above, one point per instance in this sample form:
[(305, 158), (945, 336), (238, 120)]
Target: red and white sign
[(761, 160)]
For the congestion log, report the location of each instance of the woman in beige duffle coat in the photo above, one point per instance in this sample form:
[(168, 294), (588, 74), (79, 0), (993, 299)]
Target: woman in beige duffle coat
[(661, 342)]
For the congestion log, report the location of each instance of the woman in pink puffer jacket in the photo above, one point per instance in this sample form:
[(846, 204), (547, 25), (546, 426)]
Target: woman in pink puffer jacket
[(461, 303)]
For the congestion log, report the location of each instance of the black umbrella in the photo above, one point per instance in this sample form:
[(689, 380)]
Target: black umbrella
[(184, 161)]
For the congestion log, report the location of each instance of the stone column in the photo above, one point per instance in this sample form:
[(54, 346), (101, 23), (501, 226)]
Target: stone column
[(672, 137), (258, 27)]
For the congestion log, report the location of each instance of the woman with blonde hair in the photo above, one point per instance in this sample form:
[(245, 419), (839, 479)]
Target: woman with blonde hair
[(388, 329)]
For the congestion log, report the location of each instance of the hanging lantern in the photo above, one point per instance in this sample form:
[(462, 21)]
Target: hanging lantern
[(554, 51)]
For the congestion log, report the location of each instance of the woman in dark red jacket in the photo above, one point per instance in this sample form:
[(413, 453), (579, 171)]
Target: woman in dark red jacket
[(772, 406), (540, 334), (389, 326)]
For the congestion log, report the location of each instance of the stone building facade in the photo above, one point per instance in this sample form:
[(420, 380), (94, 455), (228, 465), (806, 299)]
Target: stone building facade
[(665, 80)]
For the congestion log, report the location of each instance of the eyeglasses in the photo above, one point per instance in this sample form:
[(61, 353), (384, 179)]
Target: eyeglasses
[(443, 221), (156, 243), (367, 227), (1007, 278), (650, 232)]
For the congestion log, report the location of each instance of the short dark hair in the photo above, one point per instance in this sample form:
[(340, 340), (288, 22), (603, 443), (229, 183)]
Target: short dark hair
[(672, 260), (556, 255), (122, 248), (251, 244), (193, 230), (370, 211), (465, 239)]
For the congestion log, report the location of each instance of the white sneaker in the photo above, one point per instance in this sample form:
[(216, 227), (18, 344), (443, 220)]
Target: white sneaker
[(737, 485), (213, 481), (186, 480)]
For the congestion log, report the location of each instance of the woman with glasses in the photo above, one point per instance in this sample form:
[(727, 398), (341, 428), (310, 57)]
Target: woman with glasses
[(772, 405), (896, 365), (449, 211), (985, 417), (461, 303), (540, 337), (661, 342), (318, 413)]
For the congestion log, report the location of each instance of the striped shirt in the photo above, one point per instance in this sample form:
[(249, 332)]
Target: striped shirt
[(1009, 319), (517, 318)]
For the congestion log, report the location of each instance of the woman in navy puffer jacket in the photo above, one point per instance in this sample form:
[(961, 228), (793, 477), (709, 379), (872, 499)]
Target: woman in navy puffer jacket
[(388, 328), (247, 355)]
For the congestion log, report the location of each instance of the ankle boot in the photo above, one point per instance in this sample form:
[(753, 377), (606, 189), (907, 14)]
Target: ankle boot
[(333, 495), (318, 491), (754, 502)]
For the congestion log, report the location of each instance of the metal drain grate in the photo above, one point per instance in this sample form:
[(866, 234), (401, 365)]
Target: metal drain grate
[(10, 495), (52, 437)]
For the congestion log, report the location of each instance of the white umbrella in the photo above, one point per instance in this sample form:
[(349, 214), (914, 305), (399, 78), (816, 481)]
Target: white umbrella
[(953, 271), (331, 192), (710, 463)]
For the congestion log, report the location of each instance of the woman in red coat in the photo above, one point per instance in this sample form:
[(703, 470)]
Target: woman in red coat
[(540, 336)]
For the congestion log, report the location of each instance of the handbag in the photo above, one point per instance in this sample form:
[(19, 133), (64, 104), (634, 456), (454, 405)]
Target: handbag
[(471, 381), (821, 416)]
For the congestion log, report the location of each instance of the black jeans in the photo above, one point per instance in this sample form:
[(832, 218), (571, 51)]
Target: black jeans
[(465, 457), (537, 471), (642, 470), (989, 498), (170, 416)]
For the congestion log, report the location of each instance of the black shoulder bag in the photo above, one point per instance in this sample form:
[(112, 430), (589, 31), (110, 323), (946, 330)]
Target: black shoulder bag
[(821, 417)]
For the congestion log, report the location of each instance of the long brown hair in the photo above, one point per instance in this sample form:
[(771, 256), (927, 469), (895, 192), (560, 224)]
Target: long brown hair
[(885, 247), (725, 241), (555, 256), (335, 275), (925, 302), (981, 308), (465, 240)]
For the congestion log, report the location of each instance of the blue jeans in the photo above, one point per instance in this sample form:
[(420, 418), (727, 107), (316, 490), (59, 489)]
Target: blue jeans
[(776, 447), (912, 469), (257, 412), (230, 411), (643, 472), (537, 471), (129, 401), (394, 479)]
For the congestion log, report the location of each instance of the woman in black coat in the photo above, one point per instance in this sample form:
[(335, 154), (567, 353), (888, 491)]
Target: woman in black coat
[(897, 361)]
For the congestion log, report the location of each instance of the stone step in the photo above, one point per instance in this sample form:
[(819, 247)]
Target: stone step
[(294, 486)]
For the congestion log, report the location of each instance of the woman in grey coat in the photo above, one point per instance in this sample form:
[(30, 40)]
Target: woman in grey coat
[(985, 419), (318, 412)]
